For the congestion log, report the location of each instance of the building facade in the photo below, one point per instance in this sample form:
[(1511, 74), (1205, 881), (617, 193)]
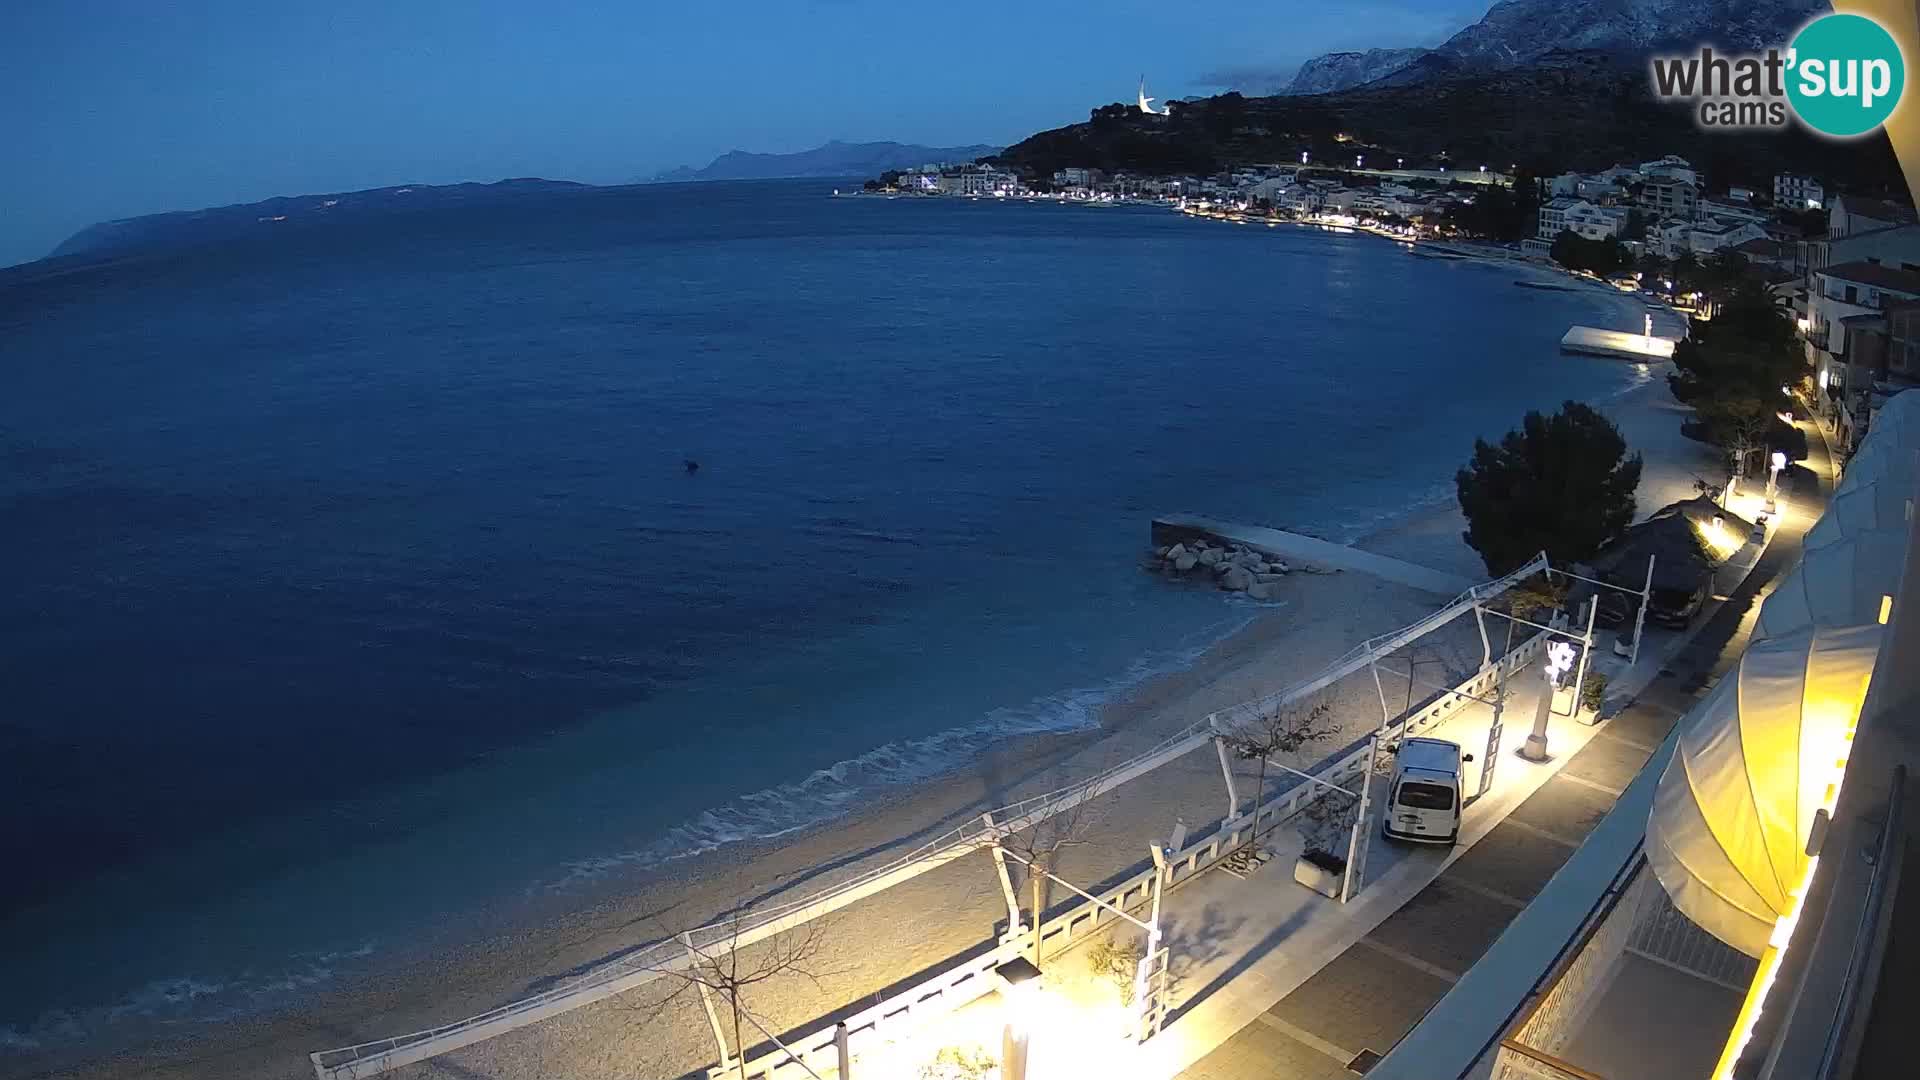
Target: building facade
[(1798, 192)]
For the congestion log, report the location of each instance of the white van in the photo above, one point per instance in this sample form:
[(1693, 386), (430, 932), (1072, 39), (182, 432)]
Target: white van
[(1424, 803)]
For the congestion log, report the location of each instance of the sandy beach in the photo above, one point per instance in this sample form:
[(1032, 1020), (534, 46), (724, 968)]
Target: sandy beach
[(879, 942)]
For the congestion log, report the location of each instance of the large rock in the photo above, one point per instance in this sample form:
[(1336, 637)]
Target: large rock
[(1209, 556), (1184, 561), (1269, 579), (1261, 590), (1236, 580)]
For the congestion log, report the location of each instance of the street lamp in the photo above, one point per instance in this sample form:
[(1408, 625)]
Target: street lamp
[(1020, 985), (1559, 662), (1777, 462)]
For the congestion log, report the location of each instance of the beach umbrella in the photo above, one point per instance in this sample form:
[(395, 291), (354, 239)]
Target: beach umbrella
[(1755, 760)]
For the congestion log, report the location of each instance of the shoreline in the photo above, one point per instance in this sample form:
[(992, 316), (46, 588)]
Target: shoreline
[(1320, 616)]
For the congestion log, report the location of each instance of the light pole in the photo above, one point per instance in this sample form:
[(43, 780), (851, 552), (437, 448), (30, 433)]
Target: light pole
[(1559, 660), (1020, 982), (1777, 462)]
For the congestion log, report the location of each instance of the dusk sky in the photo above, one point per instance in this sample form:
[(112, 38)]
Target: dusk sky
[(112, 109)]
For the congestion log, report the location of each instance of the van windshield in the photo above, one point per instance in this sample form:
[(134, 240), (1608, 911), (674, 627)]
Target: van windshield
[(1426, 796)]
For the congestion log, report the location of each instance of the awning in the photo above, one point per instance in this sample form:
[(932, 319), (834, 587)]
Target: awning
[(1840, 581), (1756, 758)]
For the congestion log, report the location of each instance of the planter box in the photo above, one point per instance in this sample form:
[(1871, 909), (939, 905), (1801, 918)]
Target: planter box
[(1322, 872)]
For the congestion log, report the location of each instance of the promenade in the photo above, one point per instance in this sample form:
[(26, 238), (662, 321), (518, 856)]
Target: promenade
[(1293, 1014)]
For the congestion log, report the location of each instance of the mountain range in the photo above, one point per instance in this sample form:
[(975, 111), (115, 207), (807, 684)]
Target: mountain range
[(1566, 110), (1519, 33), (834, 159)]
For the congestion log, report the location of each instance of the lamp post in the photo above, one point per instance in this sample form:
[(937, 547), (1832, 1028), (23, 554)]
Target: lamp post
[(1776, 463), (1020, 984), (1559, 660)]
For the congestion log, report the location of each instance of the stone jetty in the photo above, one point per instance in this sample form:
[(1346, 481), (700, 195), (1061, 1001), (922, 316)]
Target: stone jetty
[(1231, 567)]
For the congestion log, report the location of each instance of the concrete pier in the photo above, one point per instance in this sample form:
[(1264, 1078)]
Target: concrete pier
[(1593, 341), (1305, 550)]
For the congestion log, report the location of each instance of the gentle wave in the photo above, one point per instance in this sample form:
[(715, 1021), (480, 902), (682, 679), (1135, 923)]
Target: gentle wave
[(183, 999), (833, 792)]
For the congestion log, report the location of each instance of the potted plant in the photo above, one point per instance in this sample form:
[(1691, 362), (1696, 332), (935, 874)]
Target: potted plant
[(1324, 824)]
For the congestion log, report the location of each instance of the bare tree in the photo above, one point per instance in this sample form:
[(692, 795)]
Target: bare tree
[(1325, 822), (1282, 730), (730, 969), (1039, 847)]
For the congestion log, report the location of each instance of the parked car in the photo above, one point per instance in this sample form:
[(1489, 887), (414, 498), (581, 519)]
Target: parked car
[(1424, 805)]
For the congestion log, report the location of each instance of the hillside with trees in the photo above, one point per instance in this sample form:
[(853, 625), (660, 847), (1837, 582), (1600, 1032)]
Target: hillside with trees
[(1575, 110)]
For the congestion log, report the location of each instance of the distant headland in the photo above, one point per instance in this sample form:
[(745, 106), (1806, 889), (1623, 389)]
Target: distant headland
[(834, 159), (181, 228)]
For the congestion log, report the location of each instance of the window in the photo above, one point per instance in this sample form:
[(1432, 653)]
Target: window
[(1853, 294), (1425, 796)]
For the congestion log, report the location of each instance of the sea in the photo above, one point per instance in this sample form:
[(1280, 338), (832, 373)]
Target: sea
[(360, 577)]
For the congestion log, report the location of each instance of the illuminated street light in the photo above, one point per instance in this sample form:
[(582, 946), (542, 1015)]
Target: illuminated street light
[(1777, 462), (1559, 661), (1020, 985)]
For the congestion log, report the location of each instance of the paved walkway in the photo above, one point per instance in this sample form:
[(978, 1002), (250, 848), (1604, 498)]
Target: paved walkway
[(1351, 1012)]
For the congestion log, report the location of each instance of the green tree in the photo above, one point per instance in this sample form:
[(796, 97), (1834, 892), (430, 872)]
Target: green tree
[(1576, 252), (1746, 352), (1562, 484)]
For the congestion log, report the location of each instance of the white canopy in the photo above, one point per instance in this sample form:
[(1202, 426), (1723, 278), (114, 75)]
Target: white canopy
[(1756, 757), (1867, 502), (1839, 582)]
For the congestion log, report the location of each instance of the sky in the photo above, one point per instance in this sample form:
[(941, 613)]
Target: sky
[(114, 109)]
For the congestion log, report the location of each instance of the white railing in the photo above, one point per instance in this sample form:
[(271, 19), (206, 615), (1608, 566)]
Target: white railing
[(956, 986), (653, 960)]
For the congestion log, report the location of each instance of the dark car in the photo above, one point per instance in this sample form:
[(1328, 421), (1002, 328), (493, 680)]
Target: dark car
[(1616, 608), (1677, 607)]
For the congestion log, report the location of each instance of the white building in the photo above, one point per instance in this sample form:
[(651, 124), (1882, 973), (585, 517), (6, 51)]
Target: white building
[(1298, 198), (1840, 293), (1718, 234), (979, 180), (1670, 167), (1553, 217), (1798, 192), (1851, 215), (1731, 211)]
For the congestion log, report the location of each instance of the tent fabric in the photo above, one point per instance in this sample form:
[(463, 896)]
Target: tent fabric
[(1727, 834), (1839, 582), (1862, 504)]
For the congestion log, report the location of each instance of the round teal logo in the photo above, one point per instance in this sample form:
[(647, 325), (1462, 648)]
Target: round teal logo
[(1845, 75)]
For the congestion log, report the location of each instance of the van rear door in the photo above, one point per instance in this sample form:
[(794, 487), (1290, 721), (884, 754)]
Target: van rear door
[(1425, 809)]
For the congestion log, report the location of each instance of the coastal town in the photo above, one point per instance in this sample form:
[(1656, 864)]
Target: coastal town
[(1847, 266)]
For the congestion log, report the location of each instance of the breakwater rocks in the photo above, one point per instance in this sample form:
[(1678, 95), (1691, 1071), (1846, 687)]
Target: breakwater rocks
[(1231, 567)]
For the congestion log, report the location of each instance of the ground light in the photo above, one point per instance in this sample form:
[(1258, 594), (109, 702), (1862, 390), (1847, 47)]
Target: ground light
[(1020, 980)]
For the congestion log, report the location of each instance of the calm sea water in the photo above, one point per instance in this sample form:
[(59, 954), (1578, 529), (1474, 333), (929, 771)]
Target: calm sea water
[(354, 580)]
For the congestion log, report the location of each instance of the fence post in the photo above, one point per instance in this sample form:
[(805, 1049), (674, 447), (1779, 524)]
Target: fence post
[(1006, 882)]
